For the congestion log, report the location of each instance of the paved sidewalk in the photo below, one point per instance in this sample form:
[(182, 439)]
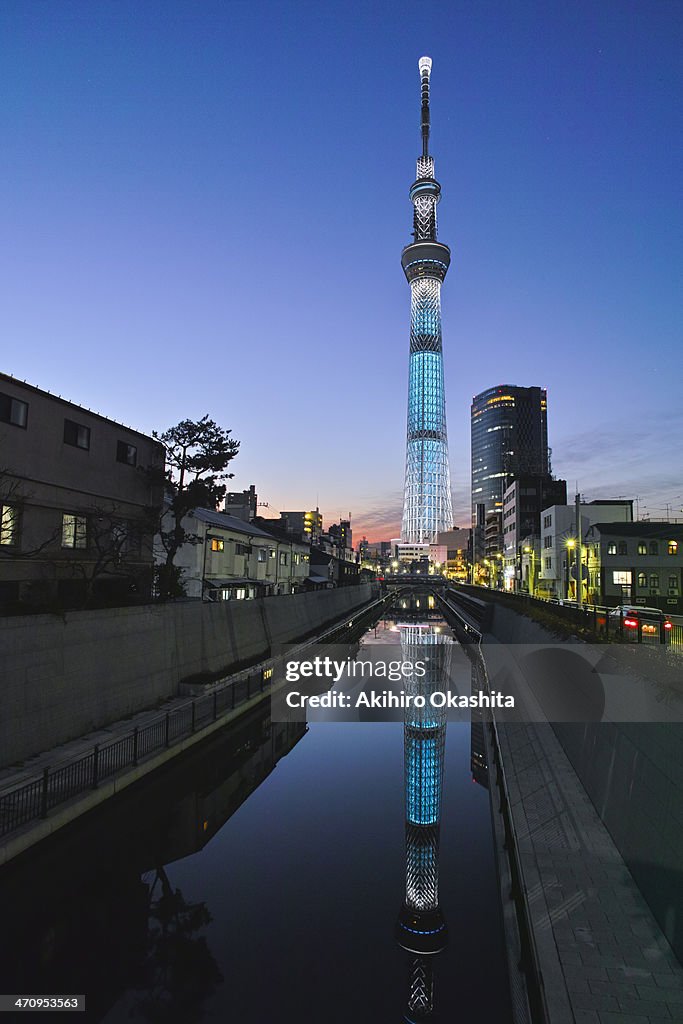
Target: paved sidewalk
[(603, 956)]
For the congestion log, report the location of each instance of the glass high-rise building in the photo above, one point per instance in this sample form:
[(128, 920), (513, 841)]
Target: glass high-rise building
[(427, 504), (509, 437)]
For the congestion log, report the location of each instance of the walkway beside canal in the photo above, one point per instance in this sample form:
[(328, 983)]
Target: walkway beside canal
[(603, 957)]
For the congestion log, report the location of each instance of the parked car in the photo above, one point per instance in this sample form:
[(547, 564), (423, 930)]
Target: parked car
[(638, 619)]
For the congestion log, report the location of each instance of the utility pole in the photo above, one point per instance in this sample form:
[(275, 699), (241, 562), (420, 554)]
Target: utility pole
[(578, 564)]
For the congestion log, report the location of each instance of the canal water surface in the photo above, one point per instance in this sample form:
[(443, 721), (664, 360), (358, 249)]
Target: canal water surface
[(261, 878)]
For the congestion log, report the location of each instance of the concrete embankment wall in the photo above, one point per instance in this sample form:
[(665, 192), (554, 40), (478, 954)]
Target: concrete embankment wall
[(633, 773), (63, 676)]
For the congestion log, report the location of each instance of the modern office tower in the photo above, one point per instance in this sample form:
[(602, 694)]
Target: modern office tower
[(421, 928), (509, 438), (427, 505)]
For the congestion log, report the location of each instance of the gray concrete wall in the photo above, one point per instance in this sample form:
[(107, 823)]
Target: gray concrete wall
[(633, 774), (63, 676)]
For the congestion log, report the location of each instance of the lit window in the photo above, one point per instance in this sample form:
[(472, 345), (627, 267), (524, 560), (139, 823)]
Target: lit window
[(126, 453), (642, 580), (13, 411), (672, 547), (611, 549), (283, 558), (271, 553), (621, 577), (240, 593), (76, 435), (642, 548), (217, 544), (74, 531), (295, 559), (9, 525)]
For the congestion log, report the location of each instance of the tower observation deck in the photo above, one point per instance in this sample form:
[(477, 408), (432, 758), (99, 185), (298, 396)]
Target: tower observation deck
[(427, 504)]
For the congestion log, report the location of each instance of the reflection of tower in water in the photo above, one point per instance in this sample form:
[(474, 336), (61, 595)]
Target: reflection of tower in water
[(421, 928)]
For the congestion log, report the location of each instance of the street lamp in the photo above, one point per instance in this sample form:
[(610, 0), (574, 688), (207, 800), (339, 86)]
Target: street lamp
[(571, 544), (532, 575)]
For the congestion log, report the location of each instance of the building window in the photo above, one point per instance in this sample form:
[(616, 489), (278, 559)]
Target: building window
[(217, 544), (642, 580), (271, 553), (547, 521), (262, 555), (295, 558), (622, 549), (547, 542), (77, 435), (74, 531), (654, 547), (621, 577), (283, 558), (673, 582), (642, 548), (549, 563), (126, 453), (9, 525), (611, 549), (672, 547), (242, 549), (13, 411), (654, 581), (240, 593)]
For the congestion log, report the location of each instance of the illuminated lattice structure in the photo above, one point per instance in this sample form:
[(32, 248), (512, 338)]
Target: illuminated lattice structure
[(427, 505), (421, 926)]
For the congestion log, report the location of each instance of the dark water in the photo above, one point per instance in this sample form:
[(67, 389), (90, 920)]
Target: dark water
[(259, 878)]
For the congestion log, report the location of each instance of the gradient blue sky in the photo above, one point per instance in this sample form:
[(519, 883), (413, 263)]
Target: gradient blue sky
[(204, 206)]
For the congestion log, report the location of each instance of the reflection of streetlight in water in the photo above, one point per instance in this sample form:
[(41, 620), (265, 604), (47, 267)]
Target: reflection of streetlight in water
[(421, 927)]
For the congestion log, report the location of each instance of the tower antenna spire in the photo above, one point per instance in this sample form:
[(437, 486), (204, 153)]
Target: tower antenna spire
[(425, 67)]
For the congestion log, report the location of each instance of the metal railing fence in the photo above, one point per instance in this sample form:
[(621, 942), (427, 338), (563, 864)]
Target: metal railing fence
[(62, 781)]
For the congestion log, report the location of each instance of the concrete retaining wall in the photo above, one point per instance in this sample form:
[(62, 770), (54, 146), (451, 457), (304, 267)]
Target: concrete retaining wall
[(63, 676)]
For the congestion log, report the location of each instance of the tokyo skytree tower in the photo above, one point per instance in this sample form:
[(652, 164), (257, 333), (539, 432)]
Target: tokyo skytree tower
[(427, 505)]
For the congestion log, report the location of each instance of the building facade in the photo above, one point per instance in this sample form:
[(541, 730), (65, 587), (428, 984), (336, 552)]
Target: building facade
[(523, 502), (427, 504), (232, 559), (509, 438), (77, 503), (635, 563), (558, 542)]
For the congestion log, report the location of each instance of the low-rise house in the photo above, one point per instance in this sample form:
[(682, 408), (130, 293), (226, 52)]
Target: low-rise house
[(635, 563), (231, 559), (77, 503)]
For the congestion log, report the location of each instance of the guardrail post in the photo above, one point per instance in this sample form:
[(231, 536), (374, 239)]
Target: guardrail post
[(167, 730), (193, 714), (135, 745), (43, 796), (95, 765), (215, 705)]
